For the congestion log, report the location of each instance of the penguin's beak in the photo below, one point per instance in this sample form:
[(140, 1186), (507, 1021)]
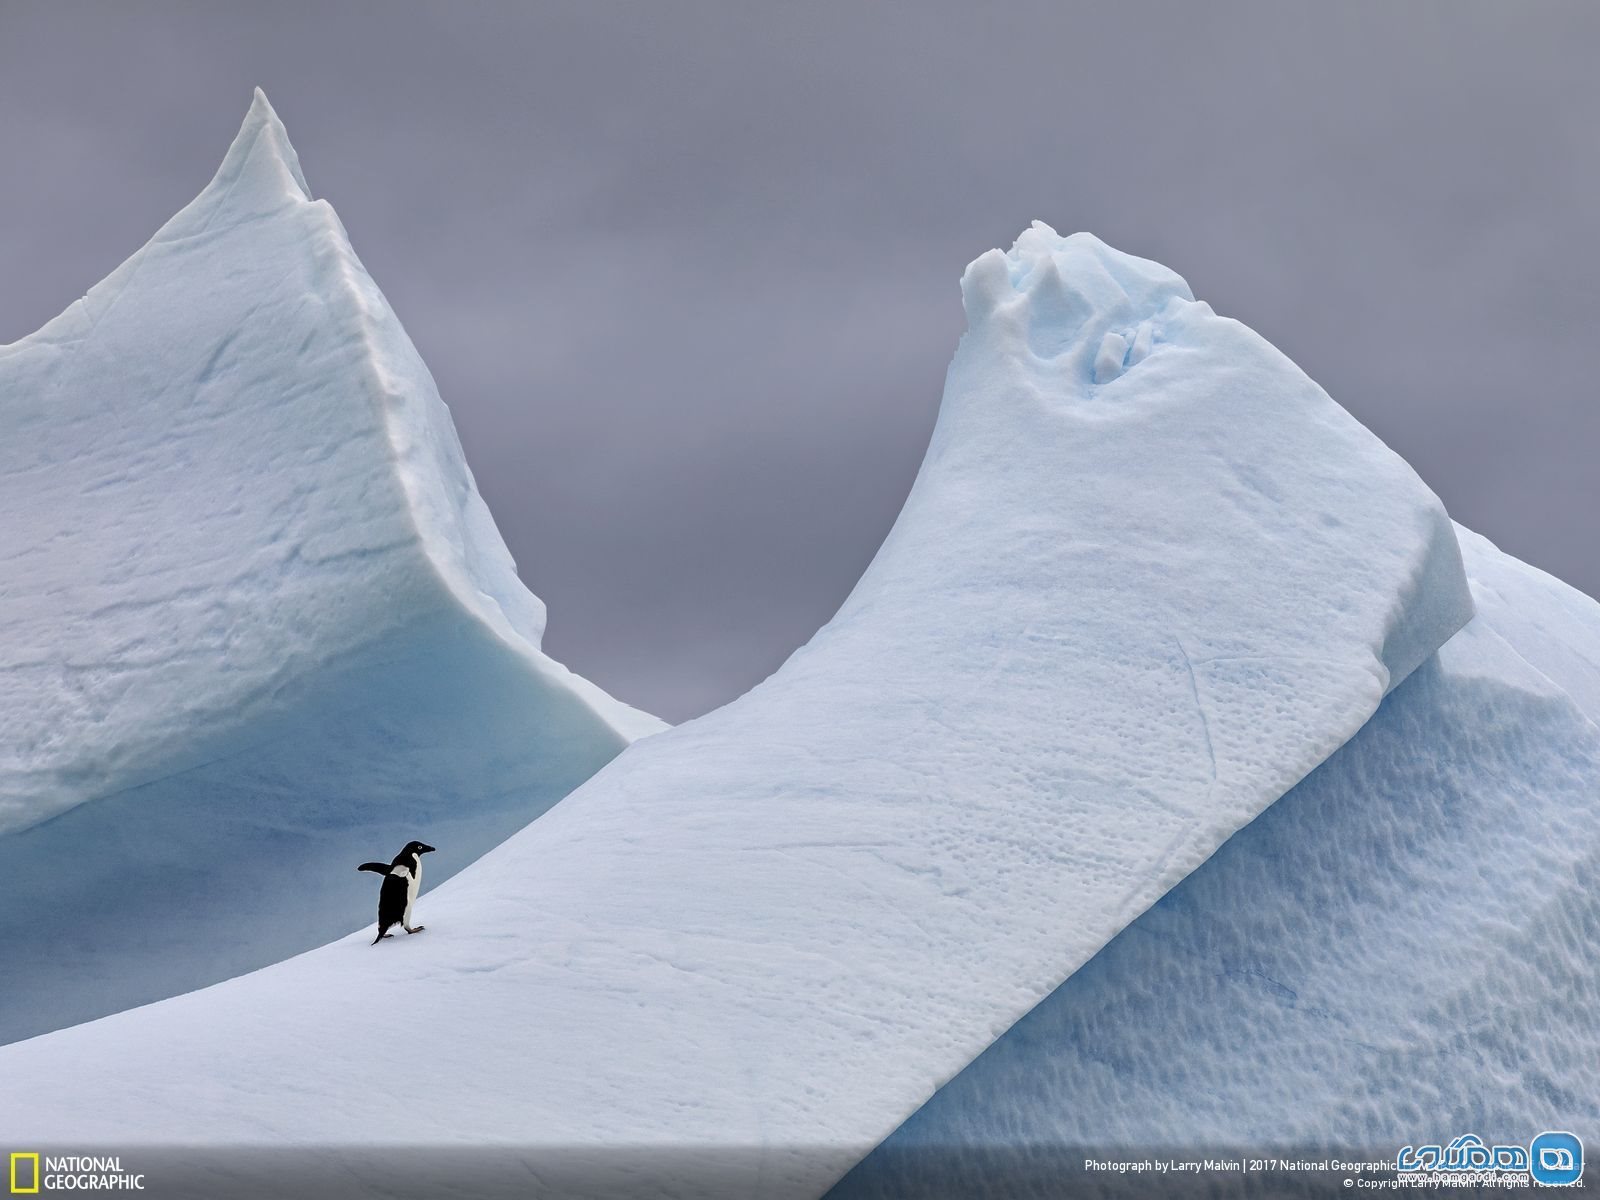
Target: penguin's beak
[(427, 850)]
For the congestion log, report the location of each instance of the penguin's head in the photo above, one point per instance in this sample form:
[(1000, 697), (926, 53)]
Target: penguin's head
[(417, 848)]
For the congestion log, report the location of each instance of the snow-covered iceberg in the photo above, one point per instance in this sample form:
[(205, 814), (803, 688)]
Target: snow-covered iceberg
[(256, 624), (1148, 578), (1398, 952)]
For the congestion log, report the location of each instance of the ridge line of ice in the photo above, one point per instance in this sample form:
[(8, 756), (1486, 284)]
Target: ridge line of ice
[(262, 134), (369, 313)]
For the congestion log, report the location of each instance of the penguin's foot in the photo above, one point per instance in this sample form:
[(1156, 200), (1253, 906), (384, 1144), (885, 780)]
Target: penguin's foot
[(418, 929)]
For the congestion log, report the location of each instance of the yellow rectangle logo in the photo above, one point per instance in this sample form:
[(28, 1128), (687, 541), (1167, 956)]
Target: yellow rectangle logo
[(17, 1190)]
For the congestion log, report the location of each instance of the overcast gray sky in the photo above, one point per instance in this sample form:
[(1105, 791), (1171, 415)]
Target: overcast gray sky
[(687, 273)]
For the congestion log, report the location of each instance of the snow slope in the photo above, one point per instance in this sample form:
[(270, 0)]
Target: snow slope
[(1399, 951), (1149, 577), (256, 624)]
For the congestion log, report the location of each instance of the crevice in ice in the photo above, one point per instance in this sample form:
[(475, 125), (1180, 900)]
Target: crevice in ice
[(1199, 705)]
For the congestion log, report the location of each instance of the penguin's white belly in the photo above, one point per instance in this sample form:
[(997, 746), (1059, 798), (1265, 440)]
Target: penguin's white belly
[(413, 886)]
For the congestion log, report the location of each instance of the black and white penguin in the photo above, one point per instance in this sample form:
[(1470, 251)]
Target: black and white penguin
[(402, 879)]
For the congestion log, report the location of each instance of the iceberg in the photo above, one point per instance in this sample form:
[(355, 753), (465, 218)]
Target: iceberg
[(258, 623), (1148, 578), (1399, 951)]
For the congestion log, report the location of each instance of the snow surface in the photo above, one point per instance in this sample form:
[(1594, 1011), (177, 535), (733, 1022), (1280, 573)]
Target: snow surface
[(1131, 600), (256, 624), (1399, 951)]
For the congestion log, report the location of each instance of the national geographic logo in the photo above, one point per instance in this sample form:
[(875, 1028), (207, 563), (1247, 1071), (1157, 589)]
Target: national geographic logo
[(30, 1174)]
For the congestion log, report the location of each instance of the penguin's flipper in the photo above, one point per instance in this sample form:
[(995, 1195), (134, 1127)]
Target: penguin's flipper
[(380, 868)]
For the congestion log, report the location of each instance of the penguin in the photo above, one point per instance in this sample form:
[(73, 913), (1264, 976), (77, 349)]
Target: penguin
[(402, 879)]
